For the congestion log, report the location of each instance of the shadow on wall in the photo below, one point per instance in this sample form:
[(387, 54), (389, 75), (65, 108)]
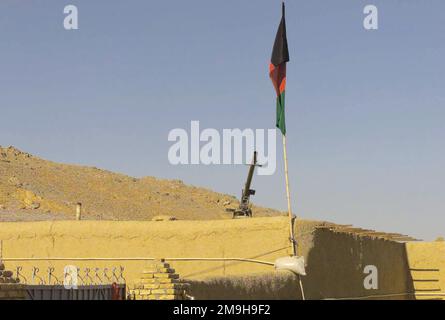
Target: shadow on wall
[(336, 267), (280, 285)]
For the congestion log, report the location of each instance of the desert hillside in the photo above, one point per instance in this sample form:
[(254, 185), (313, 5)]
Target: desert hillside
[(35, 189)]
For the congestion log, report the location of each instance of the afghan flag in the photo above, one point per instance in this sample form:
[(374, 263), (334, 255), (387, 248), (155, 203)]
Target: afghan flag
[(277, 70)]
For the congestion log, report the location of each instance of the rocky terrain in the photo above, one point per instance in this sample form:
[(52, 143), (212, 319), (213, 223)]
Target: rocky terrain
[(36, 189)]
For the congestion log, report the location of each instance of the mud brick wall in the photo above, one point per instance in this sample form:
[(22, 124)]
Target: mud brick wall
[(335, 260), (10, 289), (158, 282), (263, 238)]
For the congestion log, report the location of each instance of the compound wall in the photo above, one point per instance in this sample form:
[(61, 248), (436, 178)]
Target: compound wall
[(335, 260)]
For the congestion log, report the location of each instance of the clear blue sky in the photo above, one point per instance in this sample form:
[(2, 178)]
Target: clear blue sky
[(365, 109)]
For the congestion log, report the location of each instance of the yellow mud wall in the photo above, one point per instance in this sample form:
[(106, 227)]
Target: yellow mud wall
[(335, 260), (427, 265), (336, 267), (277, 285), (260, 238)]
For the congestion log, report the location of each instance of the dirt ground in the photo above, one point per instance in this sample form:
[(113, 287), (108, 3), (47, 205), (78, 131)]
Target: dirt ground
[(50, 191)]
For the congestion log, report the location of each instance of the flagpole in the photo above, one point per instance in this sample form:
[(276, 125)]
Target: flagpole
[(277, 73), (289, 207), (289, 210)]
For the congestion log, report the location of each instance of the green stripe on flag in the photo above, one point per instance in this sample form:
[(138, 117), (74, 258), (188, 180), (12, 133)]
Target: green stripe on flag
[(281, 122)]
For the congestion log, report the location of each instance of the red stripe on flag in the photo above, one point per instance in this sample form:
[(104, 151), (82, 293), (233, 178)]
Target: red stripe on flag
[(278, 76)]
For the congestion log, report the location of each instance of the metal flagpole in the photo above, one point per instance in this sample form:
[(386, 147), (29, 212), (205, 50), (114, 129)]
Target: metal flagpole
[(289, 209)]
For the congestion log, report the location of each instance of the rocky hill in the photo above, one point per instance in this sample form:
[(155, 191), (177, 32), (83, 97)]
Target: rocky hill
[(35, 189)]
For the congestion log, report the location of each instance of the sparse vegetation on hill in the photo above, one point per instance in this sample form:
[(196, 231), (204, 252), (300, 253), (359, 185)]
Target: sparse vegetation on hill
[(35, 189)]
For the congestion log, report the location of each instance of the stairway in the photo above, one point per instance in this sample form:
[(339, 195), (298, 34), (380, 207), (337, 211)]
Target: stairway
[(427, 267), (427, 284)]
